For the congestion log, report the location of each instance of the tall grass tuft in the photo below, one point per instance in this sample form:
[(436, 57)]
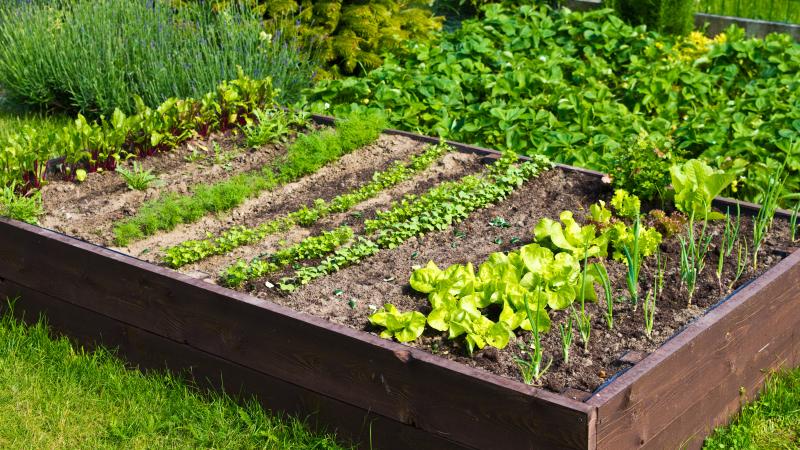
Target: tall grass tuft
[(94, 55)]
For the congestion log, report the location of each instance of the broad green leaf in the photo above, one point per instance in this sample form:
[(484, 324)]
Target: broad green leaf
[(426, 280)]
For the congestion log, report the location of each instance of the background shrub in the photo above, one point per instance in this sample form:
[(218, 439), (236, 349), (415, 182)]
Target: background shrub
[(95, 55), (665, 16), (578, 87), (353, 34)]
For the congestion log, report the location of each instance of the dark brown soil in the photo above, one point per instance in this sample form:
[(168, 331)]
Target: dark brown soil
[(351, 295)]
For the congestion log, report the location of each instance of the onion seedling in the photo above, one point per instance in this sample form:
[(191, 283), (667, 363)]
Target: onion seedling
[(793, 221), (765, 216), (532, 371), (582, 317), (566, 338), (633, 257), (742, 255), (693, 255), (729, 237), (599, 272), (649, 308)]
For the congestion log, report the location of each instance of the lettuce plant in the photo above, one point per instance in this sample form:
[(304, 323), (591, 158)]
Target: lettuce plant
[(626, 205), (459, 295), (696, 184), (403, 326), (578, 240)]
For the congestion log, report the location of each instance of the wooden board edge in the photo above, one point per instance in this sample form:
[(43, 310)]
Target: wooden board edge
[(148, 351), (576, 414), (395, 347)]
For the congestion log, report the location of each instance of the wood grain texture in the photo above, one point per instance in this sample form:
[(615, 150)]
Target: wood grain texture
[(404, 384), (148, 351), (696, 381)]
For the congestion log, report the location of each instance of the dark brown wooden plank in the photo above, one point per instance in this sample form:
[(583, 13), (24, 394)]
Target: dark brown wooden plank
[(405, 384), (148, 351), (678, 394)]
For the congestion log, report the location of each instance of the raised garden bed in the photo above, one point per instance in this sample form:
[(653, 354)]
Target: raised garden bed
[(312, 351)]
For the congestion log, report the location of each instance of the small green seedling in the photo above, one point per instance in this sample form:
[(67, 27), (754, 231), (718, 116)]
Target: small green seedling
[(137, 179), (649, 308), (531, 368), (499, 222), (20, 207), (566, 338), (599, 272), (766, 214)]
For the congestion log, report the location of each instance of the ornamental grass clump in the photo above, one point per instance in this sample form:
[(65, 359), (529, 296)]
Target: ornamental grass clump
[(93, 56)]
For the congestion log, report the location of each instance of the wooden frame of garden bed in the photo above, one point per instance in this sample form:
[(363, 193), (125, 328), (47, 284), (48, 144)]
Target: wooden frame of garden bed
[(383, 394)]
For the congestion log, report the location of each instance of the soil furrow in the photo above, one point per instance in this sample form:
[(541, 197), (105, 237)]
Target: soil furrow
[(90, 210), (348, 172), (451, 167)]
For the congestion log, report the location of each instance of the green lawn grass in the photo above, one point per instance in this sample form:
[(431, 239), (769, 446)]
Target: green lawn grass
[(56, 395), (771, 422)]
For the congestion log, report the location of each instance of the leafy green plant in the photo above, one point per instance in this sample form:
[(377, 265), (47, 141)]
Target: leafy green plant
[(668, 225), (579, 240), (459, 296), (531, 369), (20, 207), (499, 222), (309, 248), (305, 156), (437, 209), (137, 178), (625, 204), (272, 125), (403, 326), (90, 146), (591, 83), (696, 184), (641, 165)]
